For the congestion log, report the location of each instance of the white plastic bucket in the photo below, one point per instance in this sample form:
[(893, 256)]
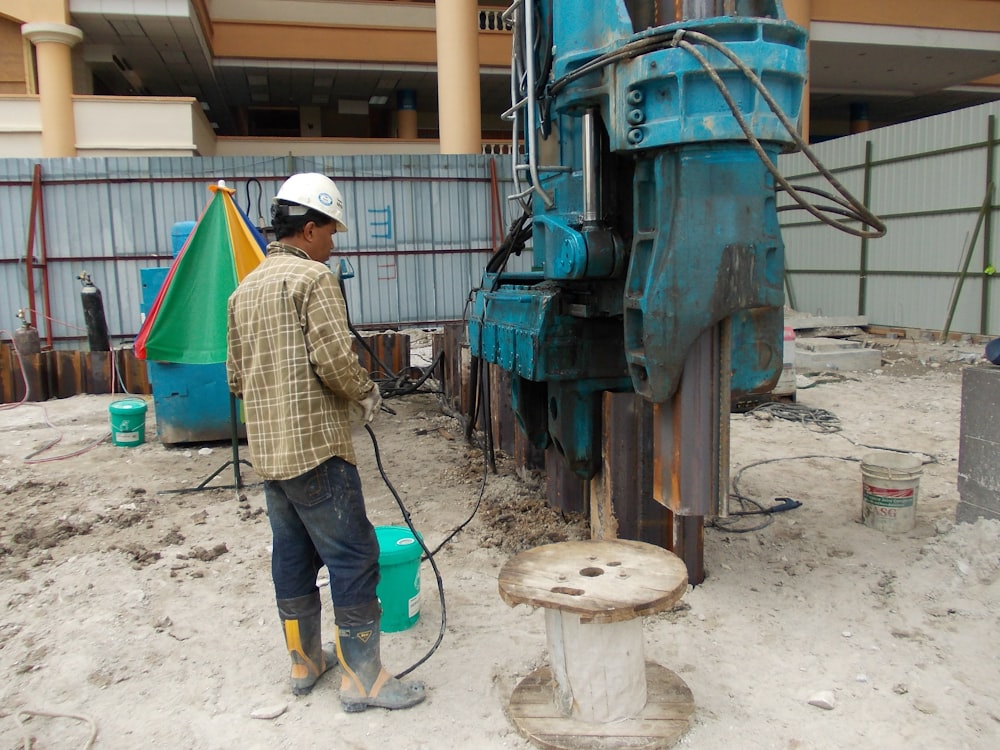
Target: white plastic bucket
[(890, 484)]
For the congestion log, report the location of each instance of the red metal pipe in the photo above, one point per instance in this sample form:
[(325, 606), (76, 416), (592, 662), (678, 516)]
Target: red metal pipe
[(29, 260), (496, 223), (46, 295)]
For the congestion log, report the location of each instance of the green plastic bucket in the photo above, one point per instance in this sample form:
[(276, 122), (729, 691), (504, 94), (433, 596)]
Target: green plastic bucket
[(128, 422), (399, 584)]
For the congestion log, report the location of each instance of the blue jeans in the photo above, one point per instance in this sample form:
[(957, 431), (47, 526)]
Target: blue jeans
[(319, 519)]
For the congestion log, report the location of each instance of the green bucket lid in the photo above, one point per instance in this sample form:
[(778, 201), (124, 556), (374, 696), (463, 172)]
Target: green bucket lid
[(396, 545), (127, 406)]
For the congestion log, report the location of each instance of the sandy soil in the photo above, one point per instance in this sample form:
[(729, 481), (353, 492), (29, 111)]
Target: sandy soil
[(152, 614)]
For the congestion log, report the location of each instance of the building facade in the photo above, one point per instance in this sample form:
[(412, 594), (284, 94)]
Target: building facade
[(328, 77)]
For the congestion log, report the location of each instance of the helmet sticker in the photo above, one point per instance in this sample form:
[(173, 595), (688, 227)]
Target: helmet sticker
[(325, 198)]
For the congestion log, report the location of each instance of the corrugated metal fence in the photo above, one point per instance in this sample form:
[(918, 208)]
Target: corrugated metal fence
[(421, 230), (930, 180)]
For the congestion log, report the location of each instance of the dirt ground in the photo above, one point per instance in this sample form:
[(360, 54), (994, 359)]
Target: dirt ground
[(151, 614)]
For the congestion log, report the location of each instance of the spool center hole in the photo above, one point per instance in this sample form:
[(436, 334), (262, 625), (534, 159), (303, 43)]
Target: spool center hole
[(592, 572)]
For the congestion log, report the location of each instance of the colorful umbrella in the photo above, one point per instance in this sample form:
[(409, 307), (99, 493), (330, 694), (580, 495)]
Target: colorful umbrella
[(187, 321)]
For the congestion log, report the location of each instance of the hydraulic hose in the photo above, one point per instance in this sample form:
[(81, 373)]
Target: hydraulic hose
[(427, 552)]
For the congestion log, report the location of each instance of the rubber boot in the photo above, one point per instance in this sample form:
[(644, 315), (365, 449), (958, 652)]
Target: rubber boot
[(365, 682), (300, 619)]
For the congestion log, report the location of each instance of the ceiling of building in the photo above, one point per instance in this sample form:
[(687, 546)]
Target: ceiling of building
[(899, 76)]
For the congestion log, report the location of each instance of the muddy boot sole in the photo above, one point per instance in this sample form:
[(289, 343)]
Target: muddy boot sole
[(393, 696), (305, 686)]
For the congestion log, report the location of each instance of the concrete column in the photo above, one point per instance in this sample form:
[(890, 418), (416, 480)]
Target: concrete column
[(55, 84), (406, 114), (800, 12), (460, 119)]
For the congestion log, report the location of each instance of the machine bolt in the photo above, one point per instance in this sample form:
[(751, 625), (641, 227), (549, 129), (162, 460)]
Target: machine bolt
[(635, 96), (635, 136), (635, 116)]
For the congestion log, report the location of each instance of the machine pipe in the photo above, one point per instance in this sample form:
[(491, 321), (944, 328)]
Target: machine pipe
[(531, 126), (591, 174)]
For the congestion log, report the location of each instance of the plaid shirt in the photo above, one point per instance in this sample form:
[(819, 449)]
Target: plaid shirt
[(291, 362)]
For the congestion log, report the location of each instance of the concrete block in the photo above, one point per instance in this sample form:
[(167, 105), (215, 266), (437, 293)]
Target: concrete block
[(981, 402), (976, 503), (979, 444), (804, 322), (820, 354)]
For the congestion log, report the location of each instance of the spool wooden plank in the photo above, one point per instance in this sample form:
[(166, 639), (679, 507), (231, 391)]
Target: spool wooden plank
[(660, 724), (601, 581), (599, 668)]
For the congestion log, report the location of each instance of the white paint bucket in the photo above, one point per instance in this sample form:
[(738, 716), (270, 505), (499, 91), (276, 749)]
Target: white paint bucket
[(889, 486)]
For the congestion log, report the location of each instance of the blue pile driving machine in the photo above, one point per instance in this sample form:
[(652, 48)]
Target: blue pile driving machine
[(651, 129)]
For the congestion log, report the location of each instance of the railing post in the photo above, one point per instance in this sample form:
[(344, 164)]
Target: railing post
[(991, 149), (866, 200)]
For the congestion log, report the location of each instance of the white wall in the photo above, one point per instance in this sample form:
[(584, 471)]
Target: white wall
[(111, 126), (20, 126), (927, 180)]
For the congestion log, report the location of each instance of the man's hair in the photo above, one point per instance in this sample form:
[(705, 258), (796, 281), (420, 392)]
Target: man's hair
[(286, 224)]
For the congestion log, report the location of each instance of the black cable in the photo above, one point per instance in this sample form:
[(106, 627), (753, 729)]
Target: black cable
[(821, 420), (396, 379), (402, 385), (475, 370), (386, 370), (399, 500), (475, 510), (728, 523), (427, 552), (851, 207), (260, 196), (518, 234), (818, 420), (510, 243)]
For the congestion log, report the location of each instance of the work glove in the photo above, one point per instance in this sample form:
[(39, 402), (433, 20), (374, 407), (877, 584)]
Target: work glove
[(370, 405)]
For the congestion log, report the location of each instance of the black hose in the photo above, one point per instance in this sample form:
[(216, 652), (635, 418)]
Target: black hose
[(399, 500), (427, 552)]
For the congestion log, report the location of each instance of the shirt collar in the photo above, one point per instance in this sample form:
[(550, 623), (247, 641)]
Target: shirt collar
[(281, 247)]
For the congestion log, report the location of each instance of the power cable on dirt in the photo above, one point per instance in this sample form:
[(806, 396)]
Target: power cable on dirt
[(815, 419), (394, 385), (31, 457), (54, 715)]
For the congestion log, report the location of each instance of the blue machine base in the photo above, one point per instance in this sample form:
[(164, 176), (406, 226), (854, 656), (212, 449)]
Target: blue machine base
[(191, 402)]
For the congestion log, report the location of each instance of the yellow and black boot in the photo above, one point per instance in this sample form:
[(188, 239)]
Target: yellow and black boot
[(300, 619), (365, 682)]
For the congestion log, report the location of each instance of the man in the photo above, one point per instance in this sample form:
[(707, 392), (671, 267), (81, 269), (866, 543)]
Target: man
[(291, 362)]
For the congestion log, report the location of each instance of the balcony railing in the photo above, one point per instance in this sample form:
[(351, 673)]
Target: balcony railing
[(492, 20)]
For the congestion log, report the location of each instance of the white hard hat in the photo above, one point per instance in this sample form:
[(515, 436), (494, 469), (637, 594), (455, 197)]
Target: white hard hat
[(315, 191)]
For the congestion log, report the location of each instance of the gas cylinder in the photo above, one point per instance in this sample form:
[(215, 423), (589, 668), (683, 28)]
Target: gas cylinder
[(26, 340), (93, 315)]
